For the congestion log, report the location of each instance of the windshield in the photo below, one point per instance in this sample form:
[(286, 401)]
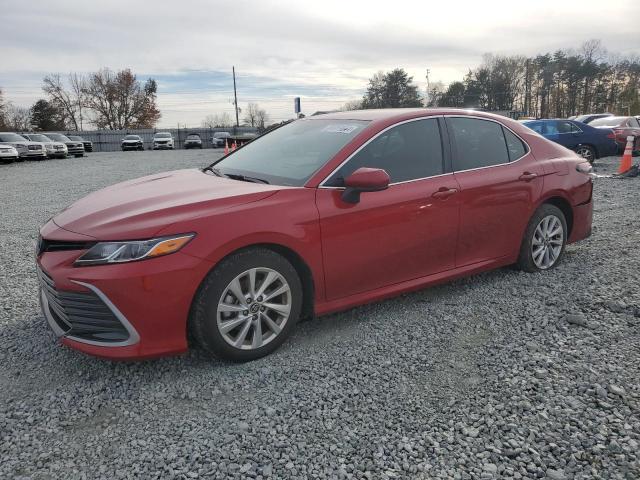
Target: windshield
[(221, 135), (289, 155), (11, 137), (132, 137), (607, 122), (76, 138), (193, 137), (38, 138), (58, 137), (163, 135)]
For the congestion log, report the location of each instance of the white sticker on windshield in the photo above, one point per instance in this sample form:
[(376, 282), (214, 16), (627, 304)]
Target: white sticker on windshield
[(339, 128)]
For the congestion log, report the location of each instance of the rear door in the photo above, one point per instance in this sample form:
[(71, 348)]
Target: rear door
[(499, 182), (402, 233)]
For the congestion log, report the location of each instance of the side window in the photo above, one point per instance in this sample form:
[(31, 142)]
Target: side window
[(634, 123), (409, 151), (563, 127), (535, 126), (479, 143), (515, 146), (575, 128), (550, 128)]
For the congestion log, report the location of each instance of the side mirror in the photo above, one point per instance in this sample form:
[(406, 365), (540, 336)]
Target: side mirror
[(364, 180)]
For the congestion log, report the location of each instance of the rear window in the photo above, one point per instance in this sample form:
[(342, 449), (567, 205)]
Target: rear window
[(607, 122), (515, 146), (479, 143)]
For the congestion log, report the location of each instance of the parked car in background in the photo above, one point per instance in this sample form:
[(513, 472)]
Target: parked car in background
[(8, 153), (88, 144), (588, 118), (218, 139), (193, 140), (163, 140), (622, 128), (26, 148), (317, 216), (132, 142), (75, 148), (54, 149), (588, 142)]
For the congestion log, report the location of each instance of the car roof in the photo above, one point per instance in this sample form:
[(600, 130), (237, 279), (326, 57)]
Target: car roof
[(398, 114)]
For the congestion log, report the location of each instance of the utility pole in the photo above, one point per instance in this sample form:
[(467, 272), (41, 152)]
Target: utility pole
[(235, 96), (426, 97)]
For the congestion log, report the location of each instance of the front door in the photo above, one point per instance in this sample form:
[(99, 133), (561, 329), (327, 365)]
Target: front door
[(398, 234)]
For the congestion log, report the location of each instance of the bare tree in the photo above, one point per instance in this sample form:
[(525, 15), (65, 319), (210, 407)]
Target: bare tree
[(64, 98), (222, 120), (78, 86), (3, 110), (119, 101), (251, 114), (352, 105), (18, 118)]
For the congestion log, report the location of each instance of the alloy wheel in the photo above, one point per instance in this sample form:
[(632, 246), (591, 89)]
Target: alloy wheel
[(548, 239), (254, 308), (586, 153)]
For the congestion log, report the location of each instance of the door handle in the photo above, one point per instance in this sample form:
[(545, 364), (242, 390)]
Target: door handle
[(527, 176), (443, 193)]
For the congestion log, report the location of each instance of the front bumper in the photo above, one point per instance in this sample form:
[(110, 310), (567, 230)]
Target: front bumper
[(163, 146), (76, 151), (151, 298), (34, 154), (132, 146)]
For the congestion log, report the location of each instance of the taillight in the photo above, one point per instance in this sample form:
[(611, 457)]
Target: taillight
[(584, 167), (611, 135)]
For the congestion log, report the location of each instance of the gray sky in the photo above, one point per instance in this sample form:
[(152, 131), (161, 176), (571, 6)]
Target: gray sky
[(322, 51)]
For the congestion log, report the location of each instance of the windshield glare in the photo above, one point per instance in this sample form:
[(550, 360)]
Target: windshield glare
[(132, 137), (58, 137), (290, 155), (607, 122), (11, 137), (39, 138)]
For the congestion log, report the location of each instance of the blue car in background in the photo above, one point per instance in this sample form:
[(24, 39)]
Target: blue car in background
[(588, 142)]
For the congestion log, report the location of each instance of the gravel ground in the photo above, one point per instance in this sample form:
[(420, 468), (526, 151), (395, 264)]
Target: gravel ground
[(504, 374)]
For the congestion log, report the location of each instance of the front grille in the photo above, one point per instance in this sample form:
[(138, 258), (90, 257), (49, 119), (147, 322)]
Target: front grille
[(82, 315), (35, 147), (45, 245)]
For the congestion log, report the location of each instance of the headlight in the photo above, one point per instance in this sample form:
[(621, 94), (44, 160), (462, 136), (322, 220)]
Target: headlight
[(119, 252)]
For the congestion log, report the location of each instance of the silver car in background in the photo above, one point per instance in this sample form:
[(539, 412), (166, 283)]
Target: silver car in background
[(26, 148), (54, 149), (8, 153), (75, 148)]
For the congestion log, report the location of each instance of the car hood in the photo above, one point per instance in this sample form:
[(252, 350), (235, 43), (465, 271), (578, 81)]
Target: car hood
[(159, 139), (131, 141), (140, 208)]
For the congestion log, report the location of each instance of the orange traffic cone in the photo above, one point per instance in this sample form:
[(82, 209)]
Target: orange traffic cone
[(233, 145), (627, 160), (226, 148)]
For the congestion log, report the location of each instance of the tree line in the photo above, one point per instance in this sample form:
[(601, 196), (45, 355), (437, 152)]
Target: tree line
[(558, 84), (105, 99), (254, 116)]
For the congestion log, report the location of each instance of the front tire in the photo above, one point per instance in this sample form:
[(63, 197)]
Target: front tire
[(247, 306), (544, 240)]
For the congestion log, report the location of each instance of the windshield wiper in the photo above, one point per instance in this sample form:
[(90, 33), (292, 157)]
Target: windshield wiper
[(215, 171), (234, 176), (245, 178)]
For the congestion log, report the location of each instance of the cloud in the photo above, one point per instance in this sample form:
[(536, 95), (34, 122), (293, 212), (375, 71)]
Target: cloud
[(322, 50)]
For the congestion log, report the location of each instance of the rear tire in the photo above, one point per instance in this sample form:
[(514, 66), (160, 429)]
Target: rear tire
[(544, 240), (587, 152), (238, 313)]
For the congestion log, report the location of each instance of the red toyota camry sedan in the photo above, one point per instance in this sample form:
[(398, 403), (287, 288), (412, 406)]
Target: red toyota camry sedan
[(317, 216)]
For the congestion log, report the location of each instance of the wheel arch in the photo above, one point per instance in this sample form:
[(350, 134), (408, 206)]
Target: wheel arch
[(565, 207), (299, 264)]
